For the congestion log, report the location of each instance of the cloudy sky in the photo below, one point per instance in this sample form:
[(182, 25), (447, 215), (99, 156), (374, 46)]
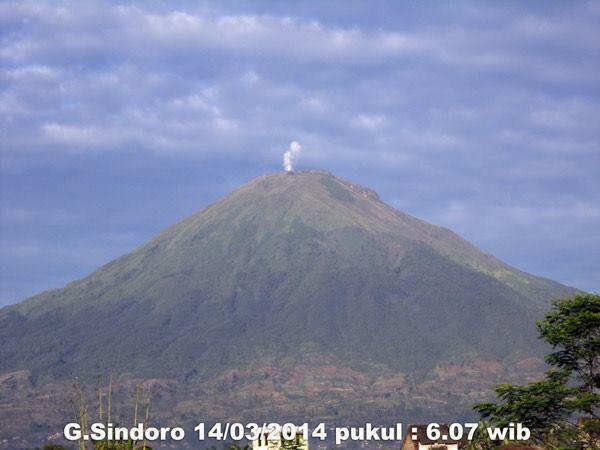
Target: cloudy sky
[(120, 118)]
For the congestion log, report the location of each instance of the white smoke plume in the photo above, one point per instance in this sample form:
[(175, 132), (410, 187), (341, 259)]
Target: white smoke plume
[(290, 155)]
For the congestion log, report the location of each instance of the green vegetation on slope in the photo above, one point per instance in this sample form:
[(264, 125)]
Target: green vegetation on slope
[(290, 270)]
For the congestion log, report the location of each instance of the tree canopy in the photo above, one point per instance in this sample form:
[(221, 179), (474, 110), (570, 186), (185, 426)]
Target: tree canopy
[(562, 409)]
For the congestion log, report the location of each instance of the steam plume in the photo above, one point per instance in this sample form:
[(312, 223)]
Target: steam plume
[(290, 155)]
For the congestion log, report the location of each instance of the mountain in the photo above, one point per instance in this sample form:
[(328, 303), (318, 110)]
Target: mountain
[(303, 278)]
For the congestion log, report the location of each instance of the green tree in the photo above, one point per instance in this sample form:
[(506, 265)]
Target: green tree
[(572, 327), (292, 444), (549, 407)]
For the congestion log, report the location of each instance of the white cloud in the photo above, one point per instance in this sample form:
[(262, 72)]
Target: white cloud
[(371, 121), (31, 72), (74, 135)]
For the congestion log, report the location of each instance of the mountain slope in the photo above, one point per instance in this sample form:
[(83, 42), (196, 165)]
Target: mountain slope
[(284, 265), (295, 298)]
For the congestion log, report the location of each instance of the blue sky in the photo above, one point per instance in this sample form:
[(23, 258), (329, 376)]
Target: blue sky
[(118, 119)]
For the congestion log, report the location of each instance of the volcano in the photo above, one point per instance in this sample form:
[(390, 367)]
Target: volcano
[(302, 290)]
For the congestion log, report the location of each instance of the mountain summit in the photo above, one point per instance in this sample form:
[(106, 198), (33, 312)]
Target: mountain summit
[(295, 272)]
